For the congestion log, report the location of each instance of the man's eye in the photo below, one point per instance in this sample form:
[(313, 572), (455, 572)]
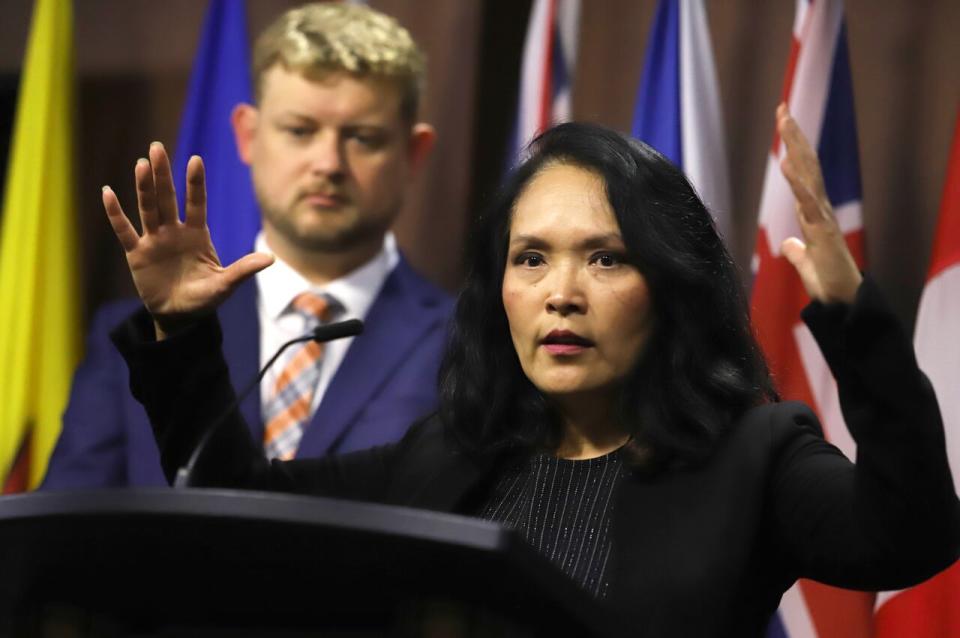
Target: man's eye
[(368, 140), (298, 131)]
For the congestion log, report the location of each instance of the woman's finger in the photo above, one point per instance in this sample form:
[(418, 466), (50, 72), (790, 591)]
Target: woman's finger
[(163, 182), (244, 267), (146, 196), (798, 255), (808, 204), (122, 228), (801, 168), (195, 202)]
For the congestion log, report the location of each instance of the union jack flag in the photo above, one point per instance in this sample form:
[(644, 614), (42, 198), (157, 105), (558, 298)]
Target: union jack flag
[(546, 78), (819, 92)]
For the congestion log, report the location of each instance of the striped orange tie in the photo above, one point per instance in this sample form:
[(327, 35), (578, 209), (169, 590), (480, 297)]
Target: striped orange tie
[(287, 412)]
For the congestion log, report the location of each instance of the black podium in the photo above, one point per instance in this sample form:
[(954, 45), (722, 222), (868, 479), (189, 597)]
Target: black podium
[(217, 562)]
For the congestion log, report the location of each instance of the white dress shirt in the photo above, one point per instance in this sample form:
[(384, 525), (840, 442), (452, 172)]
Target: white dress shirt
[(278, 285)]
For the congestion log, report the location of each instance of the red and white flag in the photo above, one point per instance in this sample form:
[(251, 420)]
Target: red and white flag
[(546, 78), (819, 93), (932, 609)]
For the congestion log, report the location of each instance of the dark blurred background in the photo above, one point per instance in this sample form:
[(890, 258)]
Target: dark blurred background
[(133, 61)]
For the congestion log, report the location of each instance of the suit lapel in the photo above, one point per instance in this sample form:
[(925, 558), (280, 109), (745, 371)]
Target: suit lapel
[(394, 324), (241, 348)]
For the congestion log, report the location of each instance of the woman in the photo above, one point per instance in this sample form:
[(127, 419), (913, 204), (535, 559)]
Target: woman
[(603, 394)]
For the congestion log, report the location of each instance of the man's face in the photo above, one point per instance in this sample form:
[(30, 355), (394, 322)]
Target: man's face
[(330, 160)]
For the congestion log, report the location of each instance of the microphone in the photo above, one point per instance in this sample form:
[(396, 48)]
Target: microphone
[(328, 332), (320, 334)]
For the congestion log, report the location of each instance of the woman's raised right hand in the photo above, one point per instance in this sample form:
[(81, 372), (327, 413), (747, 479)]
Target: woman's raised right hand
[(174, 265)]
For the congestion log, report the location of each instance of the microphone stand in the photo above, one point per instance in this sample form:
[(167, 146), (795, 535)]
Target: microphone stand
[(320, 334)]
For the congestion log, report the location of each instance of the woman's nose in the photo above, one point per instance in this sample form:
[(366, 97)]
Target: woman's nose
[(566, 294)]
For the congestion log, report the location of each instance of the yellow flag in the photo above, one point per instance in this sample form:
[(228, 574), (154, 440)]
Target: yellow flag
[(40, 336)]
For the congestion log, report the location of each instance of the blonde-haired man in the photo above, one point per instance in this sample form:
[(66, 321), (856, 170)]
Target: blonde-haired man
[(332, 142)]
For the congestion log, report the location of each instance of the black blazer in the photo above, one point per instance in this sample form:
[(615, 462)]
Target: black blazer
[(705, 551)]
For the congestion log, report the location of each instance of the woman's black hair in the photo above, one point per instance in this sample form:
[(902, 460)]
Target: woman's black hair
[(702, 367)]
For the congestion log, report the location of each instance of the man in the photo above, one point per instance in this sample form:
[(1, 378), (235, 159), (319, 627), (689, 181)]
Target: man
[(332, 144)]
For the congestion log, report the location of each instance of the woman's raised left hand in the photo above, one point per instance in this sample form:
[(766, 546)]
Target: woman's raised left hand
[(822, 259)]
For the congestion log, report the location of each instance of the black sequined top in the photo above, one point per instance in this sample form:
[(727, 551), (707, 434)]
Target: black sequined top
[(563, 509)]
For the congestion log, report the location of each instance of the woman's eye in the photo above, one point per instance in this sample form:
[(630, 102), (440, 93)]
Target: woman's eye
[(606, 260), (530, 260)]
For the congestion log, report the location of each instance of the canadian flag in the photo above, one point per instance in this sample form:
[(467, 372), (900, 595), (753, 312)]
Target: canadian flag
[(932, 609)]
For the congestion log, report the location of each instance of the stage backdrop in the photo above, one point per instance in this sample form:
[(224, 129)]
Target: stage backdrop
[(133, 63)]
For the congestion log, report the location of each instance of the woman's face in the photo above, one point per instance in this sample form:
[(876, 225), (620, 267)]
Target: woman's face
[(579, 314)]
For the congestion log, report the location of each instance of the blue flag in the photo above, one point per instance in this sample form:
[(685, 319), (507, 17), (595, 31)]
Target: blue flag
[(656, 115), (219, 81), (678, 105)]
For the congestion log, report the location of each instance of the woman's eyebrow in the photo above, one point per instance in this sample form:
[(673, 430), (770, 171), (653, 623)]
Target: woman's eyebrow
[(529, 241), (604, 240), (600, 240)]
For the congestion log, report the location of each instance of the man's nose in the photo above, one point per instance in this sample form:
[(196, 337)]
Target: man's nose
[(326, 155), (566, 294)]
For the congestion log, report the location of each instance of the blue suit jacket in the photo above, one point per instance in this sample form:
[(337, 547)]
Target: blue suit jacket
[(387, 379)]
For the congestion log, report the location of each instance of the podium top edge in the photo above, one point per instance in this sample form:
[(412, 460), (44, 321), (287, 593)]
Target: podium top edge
[(250, 506)]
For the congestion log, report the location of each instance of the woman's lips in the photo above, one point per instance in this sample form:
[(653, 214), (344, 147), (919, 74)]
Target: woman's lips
[(565, 342), (565, 349)]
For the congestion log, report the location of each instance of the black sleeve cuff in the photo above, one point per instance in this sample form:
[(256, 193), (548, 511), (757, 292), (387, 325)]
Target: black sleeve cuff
[(863, 339), (182, 381), (136, 340)]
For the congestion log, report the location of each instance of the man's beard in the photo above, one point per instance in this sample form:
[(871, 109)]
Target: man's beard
[(332, 238)]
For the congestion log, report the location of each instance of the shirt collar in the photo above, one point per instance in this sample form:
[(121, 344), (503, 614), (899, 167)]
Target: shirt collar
[(279, 284)]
